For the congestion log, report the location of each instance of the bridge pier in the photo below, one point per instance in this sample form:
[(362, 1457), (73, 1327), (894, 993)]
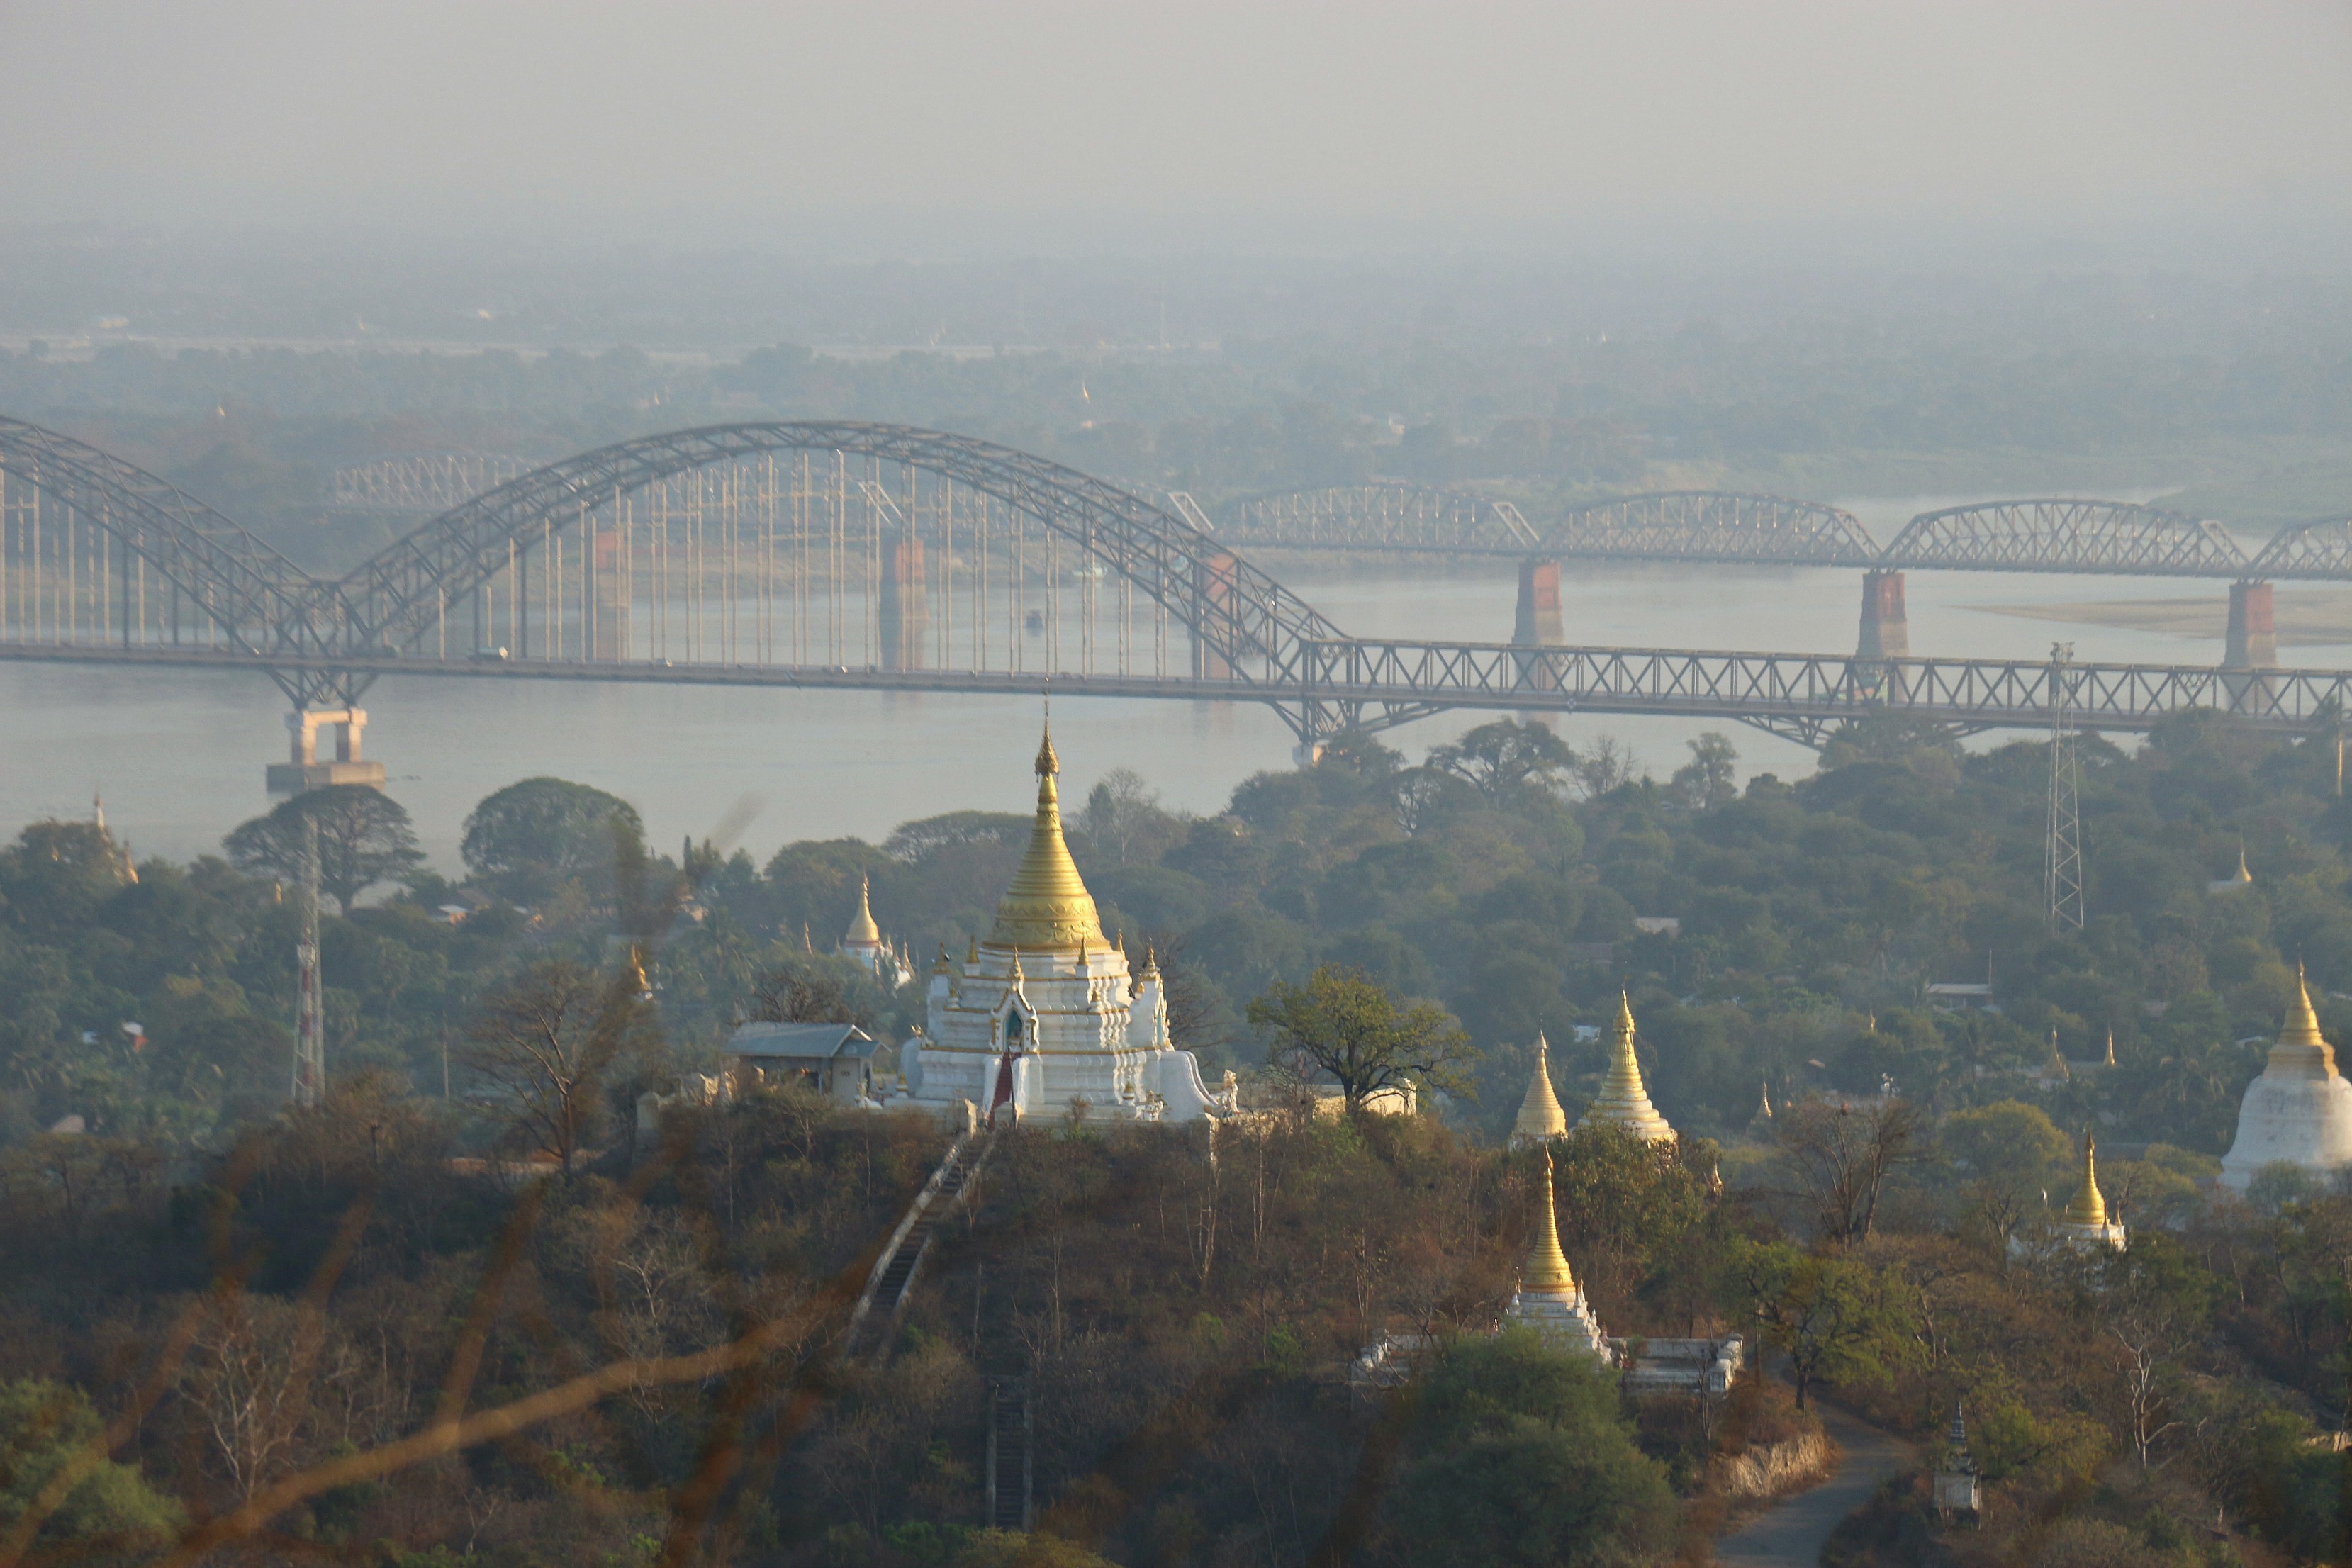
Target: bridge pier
[(1537, 623), (1886, 625), (303, 770), (2253, 641)]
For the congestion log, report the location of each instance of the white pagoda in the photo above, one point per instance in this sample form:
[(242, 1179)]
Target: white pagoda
[(2299, 1111), (1043, 1014)]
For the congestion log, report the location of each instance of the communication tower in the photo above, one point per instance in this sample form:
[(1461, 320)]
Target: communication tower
[(2062, 876)]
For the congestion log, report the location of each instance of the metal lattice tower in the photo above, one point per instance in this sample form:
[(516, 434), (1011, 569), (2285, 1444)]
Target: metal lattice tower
[(309, 1020), (2063, 873)]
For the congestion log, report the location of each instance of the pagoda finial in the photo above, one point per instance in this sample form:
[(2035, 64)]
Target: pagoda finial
[(2302, 1019), (1546, 1265), (1047, 763), (863, 931), (2089, 1207)]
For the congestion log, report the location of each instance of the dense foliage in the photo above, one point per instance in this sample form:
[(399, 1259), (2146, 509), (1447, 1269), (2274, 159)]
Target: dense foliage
[(261, 1296)]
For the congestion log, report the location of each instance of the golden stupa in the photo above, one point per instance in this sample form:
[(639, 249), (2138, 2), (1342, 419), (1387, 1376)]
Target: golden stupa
[(1540, 1116), (1623, 1102), (863, 931), (1047, 906)]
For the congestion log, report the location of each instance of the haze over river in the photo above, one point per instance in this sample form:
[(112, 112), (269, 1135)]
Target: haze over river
[(179, 756)]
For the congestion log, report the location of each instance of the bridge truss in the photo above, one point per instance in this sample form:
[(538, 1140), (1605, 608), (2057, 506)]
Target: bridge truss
[(2057, 535), (422, 482), (2068, 536), (1381, 516)]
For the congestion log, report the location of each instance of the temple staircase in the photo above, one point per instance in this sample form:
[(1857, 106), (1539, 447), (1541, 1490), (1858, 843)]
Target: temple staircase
[(873, 1322), (1009, 1470)]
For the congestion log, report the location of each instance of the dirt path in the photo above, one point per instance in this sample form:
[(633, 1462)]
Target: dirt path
[(1791, 1534)]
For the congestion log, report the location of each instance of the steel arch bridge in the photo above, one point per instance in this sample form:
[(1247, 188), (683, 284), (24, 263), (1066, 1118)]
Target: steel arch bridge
[(847, 555)]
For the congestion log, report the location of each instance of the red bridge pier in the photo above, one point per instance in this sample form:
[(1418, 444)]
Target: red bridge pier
[(2252, 642), (1885, 626), (1537, 623)]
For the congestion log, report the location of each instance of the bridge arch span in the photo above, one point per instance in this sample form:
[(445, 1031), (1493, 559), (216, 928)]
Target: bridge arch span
[(1711, 525), (2060, 534), (94, 547), (881, 489)]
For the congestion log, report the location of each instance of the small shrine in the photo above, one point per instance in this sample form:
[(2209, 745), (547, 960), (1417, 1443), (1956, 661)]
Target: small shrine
[(2086, 1223), (1956, 1473)]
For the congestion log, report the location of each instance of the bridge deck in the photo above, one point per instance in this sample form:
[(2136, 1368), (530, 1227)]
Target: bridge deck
[(1793, 692)]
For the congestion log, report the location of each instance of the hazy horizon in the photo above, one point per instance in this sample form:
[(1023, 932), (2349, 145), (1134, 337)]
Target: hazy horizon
[(1977, 134)]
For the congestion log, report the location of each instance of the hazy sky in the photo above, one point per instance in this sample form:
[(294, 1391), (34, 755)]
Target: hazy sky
[(1507, 120)]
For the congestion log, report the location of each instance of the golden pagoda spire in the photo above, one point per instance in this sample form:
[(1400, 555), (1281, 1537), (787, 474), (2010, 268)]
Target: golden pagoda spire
[(2089, 1209), (863, 931), (2302, 1019), (1047, 906), (1539, 1115), (1625, 1100), (1546, 1265)]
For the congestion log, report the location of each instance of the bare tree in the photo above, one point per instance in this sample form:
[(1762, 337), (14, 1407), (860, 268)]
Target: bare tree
[(1601, 765), (1843, 1152), (252, 1364), (545, 1042)]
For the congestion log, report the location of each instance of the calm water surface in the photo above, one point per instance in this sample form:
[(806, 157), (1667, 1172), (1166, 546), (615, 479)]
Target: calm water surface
[(179, 756)]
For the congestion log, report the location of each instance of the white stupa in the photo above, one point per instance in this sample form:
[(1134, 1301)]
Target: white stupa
[(1043, 1013), (2299, 1111)]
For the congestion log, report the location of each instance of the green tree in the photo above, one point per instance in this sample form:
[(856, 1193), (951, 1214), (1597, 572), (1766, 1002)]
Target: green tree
[(1711, 777), (109, 1512), (529, 839), (364, 838), (1505, 758), (1835, 1318), (57, 873), (1347, 1027), (1520, 1453), (2013, 1153)]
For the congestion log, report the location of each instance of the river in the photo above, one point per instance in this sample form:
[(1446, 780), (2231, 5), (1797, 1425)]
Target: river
[(179, 757)]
